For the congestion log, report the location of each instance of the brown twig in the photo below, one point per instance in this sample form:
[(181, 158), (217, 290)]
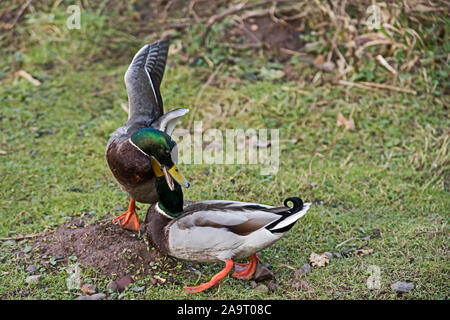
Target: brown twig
[(27, 236), (19, 14), (371, 85), (351, 239), (385, 64)]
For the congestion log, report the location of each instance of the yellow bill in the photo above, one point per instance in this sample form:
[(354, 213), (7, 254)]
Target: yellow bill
[(173, 172), (178, 176)]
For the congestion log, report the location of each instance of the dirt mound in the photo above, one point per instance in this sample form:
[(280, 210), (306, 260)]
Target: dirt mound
[(108, 248), (277, 38)]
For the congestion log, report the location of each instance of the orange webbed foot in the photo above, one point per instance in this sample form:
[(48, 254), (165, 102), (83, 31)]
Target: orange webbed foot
[(129, 219), (246, 270), (214, 280)]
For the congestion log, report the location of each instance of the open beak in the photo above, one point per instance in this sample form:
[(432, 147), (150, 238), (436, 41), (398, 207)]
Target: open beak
[(169, 174), (168, 177), (175, 173)]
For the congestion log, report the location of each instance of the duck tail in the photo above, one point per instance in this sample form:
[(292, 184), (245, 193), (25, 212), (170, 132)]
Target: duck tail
[(290, 216), (298, 204)]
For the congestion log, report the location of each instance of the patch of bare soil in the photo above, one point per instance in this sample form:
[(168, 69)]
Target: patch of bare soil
[(108, 248), (280, 39)]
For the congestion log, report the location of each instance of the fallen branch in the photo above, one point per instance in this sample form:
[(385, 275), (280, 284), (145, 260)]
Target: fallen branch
[(27, 236), (353, 238), (372, 85)]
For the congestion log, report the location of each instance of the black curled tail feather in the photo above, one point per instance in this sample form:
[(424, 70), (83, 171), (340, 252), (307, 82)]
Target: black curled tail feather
[(298, 204)]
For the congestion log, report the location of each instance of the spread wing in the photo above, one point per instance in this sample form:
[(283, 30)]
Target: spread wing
[(143, 79)]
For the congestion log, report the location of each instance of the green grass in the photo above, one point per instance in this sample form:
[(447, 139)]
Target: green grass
[(391, 173)]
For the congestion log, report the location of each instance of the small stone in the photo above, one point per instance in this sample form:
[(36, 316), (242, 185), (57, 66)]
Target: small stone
[(119, 208), (263, 288), (121, 296), (262, 273), (326, 66), (138, 289), (253, 284), (304, 269), (267, 265), (74, 189), (254, 27), (97, 296), (301, 285), (89, 289), (272, 286), (112, 285), (33, 279), (31, 269), (328, 254), (123, 282), (402, 287), (337, 255), (376, 233)]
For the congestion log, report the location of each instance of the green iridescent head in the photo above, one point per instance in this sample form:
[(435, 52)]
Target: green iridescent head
[(163, 153)]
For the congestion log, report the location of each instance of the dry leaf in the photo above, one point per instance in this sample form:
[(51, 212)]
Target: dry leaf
[(319, 60), (318, 260), (363, 252), (160, 280), (349, 124)]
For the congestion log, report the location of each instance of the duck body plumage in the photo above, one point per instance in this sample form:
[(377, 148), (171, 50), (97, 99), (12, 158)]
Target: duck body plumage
[(218, 230), (131, 168)]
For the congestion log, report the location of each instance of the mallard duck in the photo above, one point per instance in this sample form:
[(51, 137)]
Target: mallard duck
[(145, 138), (216, 230)]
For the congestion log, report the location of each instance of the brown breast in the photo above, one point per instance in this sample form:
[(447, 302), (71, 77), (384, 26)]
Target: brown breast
[(130, 166)]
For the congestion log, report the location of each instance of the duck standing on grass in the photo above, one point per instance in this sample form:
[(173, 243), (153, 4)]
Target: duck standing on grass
[(216, 230), (145, 138)]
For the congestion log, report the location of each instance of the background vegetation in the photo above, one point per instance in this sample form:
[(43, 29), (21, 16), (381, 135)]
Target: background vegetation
[(363, 119)]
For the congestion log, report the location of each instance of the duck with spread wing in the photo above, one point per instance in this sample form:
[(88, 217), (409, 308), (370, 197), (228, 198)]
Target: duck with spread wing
[(145, 138)]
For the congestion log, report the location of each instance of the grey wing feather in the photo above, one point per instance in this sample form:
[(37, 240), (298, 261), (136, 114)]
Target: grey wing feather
[(143, 79)]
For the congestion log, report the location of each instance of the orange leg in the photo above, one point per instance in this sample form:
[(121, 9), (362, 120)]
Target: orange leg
[(246, 270), (129, 219), (214, 280)]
